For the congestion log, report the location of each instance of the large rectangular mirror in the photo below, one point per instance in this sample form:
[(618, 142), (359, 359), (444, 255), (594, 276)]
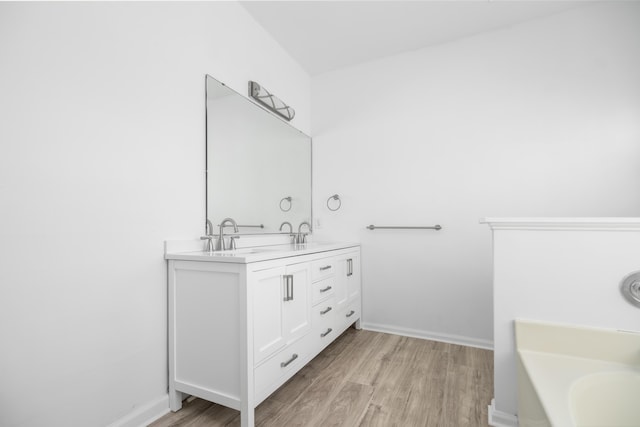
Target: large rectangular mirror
[(258, 165)]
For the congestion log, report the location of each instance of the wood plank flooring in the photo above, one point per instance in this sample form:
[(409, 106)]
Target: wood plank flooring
[(367, 379)]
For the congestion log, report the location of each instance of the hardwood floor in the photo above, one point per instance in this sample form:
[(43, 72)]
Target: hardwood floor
[(367, 379)]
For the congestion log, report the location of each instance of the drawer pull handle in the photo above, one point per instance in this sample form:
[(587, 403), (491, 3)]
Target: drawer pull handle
[(326, 310), (351, 313), (326, 333), (326, 267), (288, 362), (328, 288), (349, 267)]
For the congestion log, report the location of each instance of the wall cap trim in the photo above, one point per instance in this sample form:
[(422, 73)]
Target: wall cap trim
[(542, 223)]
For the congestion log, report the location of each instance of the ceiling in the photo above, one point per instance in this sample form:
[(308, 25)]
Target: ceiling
[(328, 35)]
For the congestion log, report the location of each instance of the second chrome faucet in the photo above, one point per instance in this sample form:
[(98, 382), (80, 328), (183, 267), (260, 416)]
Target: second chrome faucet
[(298, 237)]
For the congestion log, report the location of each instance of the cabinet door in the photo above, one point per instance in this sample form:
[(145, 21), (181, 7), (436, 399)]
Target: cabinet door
[(268, 295), (296, 313), (353, 275)]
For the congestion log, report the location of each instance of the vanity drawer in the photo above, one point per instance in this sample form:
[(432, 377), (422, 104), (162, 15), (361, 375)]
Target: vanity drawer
[(323, 289), (323, 268), (276, 370), (325, 326), (324, 313)]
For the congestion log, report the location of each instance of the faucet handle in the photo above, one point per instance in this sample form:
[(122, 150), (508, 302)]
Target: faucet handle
[(209, 239), (232, 242)]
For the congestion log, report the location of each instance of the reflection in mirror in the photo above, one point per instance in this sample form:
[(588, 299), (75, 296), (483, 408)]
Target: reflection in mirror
[(255, 163)]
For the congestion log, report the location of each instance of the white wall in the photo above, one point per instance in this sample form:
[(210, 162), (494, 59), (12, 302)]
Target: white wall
[(102, 137), (539, 119)]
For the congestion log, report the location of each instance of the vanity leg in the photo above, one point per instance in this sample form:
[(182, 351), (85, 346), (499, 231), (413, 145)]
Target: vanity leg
[(357, 325), (175, 400), (247, 417)]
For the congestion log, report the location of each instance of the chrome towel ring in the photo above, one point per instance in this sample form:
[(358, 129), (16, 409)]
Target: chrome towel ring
[(335, 208), (285, 199)]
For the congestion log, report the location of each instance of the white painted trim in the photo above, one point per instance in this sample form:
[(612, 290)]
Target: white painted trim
[(591, 224), (499, 418), (433, 336), (145, 414)]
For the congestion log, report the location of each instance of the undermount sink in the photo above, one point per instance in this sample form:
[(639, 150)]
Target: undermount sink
[(243, 251), (261, 249)]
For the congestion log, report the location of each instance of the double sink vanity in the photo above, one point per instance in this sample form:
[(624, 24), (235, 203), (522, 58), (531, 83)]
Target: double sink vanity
[(242, 322), (249, 307)]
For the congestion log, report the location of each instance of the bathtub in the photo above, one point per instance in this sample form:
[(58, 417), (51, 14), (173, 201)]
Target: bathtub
[(577, 376)]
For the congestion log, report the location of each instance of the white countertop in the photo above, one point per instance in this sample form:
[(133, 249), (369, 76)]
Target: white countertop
[(259, 253)]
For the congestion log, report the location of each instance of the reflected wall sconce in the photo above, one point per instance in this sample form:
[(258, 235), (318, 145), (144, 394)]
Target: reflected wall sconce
[(336, 205), (270, 101), (287, 205)]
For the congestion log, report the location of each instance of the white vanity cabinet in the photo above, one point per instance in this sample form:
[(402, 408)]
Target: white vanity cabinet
[(241, 325)]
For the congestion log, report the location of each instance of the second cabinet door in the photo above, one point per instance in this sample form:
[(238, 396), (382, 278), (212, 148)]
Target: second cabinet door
[(353, 275), (281, 308), (296, 313), (347, 279)]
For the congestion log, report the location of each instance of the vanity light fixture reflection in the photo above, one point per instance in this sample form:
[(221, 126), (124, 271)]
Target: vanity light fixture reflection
[(270, 101)]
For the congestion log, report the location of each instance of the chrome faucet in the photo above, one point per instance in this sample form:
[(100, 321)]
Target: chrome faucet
[(220, 245), (302, 237), (290, 230)]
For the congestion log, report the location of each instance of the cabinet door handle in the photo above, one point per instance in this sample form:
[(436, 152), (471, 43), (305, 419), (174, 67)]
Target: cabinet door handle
[(328, 288), (288, 362), (351, 313), (326, 267), (326, 310), (349, 267), (288, 287), (326, 333), (291, 294)]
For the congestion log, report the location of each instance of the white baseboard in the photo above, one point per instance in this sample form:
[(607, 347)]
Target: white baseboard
[(499, 418), (414, 333), (145, 414)]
